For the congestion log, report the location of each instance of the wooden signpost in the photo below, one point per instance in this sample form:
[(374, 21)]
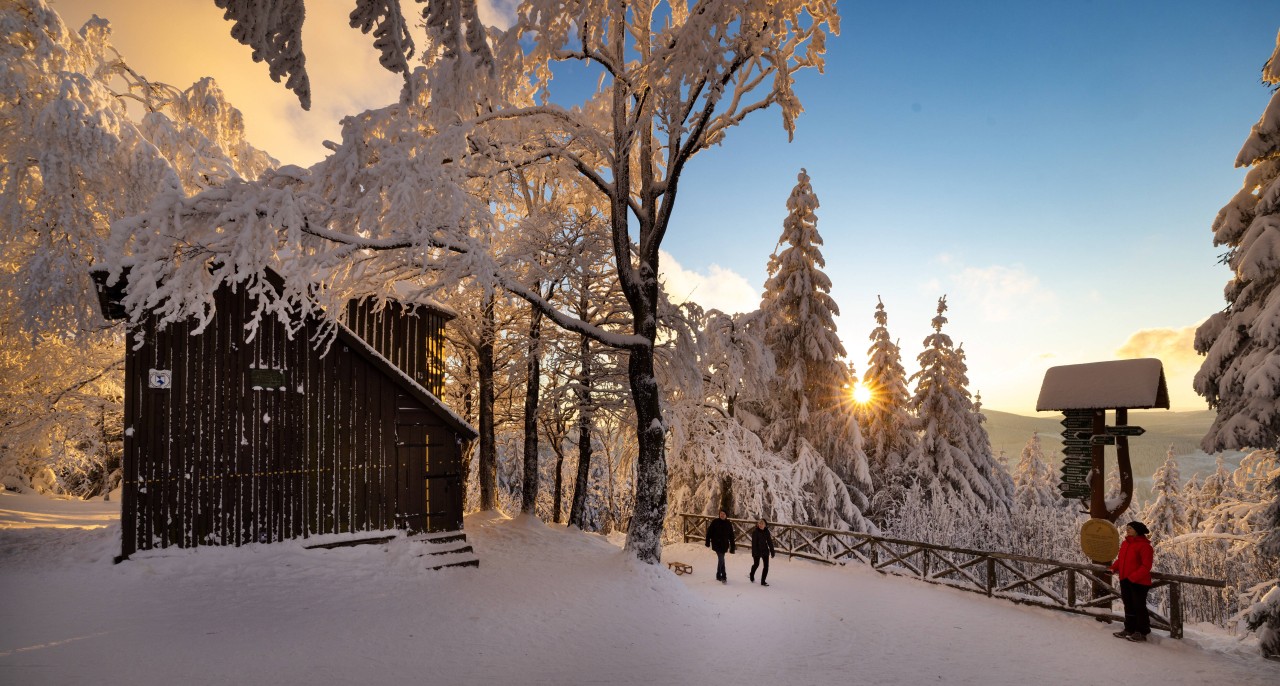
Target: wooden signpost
[(1084, 393)]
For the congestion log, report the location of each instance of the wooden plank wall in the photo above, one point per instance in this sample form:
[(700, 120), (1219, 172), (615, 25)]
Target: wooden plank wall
[(412, 338), (215, 461)]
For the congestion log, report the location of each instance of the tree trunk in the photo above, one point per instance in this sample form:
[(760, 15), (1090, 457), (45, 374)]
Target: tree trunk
[(529, 486), (488, 456), (558, 488), (644, 536), (577, 509)]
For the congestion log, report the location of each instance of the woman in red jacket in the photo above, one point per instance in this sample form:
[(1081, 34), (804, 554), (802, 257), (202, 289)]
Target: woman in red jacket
[(1133, 566)]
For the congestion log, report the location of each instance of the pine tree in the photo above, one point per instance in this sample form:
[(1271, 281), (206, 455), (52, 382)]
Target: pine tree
[(1240, 376), (1033, 478), (807, 418), (949, 460), (1191, 497), (1167, 516), (890, 431), (1217, 488)]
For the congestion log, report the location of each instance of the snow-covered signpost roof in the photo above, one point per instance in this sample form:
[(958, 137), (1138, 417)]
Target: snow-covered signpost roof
[(1117, 384), (1084, 393)]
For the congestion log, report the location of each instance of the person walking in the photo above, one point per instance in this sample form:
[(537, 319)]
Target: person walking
[(720, 539), (1133, 566), (761, 550)]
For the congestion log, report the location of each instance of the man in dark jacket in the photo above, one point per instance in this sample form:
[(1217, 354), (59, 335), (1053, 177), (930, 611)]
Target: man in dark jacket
[(720, 539), (761, 549)]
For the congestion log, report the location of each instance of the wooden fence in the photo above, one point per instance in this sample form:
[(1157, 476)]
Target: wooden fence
[(1071, 587)]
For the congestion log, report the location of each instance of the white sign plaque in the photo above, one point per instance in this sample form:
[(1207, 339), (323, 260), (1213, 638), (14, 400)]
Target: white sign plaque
[(159, 378)]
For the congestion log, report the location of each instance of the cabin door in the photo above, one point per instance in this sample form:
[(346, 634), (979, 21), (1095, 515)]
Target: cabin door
[(429, 473)]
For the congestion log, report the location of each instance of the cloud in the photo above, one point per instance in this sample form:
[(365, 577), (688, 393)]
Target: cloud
[(721, 289), (1176, 349), (499, 13), (1001, 292)]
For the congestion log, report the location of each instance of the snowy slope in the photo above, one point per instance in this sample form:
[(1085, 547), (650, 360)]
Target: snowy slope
[(546, 606)]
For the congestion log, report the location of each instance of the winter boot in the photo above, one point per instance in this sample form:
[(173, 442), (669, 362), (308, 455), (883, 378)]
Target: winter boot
[(764, 583), (1137, 637), (752, 577), (1121, 634)]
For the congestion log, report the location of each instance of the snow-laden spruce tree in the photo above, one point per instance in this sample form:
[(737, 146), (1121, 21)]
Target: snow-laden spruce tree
[(1167, 516), (1217, 488), (1033, 478), (1191, 499), (1240, 376), (945, 462), (809, 421), (890, 432)]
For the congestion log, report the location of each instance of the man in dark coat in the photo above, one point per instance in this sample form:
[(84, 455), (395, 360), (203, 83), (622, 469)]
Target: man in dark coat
[(761, 549), (720, 539)]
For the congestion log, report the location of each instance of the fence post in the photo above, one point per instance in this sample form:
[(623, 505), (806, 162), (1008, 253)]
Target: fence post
[(1175, 610), (871, 552), (1071, 588), (991, 575)]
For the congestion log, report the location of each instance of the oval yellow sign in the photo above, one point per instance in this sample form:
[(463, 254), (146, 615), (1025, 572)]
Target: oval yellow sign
[(1100, 540)]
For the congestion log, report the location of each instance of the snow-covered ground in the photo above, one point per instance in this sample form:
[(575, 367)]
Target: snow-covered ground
[(546, 606)]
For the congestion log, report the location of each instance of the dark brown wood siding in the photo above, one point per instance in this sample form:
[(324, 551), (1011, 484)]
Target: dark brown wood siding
[(410, 336), (266, 439)]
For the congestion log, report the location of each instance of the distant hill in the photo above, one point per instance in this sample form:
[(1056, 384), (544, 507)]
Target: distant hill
[(1182, 430)]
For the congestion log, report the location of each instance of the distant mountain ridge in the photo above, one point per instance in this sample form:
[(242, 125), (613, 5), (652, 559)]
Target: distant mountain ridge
[(1182, 430)]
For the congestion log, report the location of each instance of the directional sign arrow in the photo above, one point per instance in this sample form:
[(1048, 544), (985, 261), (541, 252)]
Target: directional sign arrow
[(1083, 451), (1074, 479), (1125, 430), (1103, 439), (1077, 435), (1078, 422)]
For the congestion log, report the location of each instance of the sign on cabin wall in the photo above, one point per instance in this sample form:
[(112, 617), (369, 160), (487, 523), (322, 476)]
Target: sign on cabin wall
[(159, 378), (1100, 540), (269, 379)]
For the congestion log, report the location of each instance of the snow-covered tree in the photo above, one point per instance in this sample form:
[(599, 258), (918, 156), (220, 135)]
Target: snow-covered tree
[(890, 432), (1167, 516), (810, 422), (72, 159), (1240, 375), (948, 461), (1217, 488), (404, 193), (1033, 479)]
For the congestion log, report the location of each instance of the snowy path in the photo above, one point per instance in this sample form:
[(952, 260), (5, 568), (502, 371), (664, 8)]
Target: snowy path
[(547, 606)]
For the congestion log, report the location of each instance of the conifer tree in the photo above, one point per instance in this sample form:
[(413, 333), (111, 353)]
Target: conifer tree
[(890, 433), (805, 411), (1167, 516), (1240, 376), (949, 460), (1191, 497), (1033, 478)]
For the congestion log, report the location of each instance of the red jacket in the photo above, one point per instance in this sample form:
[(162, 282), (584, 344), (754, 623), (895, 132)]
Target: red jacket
[(1133, 562)]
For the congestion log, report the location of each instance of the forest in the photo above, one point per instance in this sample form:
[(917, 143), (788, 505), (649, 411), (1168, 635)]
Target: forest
[(600, 403)]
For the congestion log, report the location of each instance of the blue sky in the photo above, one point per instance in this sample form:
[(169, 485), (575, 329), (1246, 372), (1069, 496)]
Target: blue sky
[(1052, 167)]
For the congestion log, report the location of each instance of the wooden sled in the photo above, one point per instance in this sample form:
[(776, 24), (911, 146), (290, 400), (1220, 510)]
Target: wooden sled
[(680, 568)]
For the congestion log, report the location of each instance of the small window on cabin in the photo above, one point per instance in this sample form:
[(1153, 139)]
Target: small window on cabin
[(267, 379)]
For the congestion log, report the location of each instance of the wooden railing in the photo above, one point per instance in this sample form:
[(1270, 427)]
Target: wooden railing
[(1068, 586)]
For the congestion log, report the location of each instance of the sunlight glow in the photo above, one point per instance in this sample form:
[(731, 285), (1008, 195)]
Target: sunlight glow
[(861, 393)]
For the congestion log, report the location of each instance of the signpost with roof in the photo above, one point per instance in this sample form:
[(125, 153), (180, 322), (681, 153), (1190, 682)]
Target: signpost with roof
[(1084, 393)]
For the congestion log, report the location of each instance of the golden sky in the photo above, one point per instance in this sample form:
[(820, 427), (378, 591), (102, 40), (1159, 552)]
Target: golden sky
[(181, 41)]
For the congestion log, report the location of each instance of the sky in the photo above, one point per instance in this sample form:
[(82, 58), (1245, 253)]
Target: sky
[(1052, 168)]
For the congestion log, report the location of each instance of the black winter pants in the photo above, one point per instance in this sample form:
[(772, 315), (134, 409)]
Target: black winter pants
[(1134, 596), (720, 574), (755, 562)]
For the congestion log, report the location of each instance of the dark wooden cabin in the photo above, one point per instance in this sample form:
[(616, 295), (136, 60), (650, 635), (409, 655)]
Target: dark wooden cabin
[(230, 441)]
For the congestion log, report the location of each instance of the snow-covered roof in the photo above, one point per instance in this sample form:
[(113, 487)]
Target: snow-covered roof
[(1129, 384)]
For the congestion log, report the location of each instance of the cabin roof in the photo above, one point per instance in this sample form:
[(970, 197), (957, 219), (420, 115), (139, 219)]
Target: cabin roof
[(109, 299), (1116, 384)]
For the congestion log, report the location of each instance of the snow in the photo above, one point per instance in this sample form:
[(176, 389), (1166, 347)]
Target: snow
[(547, 605), (1104, 385)]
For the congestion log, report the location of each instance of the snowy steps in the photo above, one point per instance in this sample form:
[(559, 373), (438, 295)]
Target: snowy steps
[(440, 550)]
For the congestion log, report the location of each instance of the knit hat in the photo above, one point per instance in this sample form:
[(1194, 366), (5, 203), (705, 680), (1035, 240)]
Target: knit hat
[(1139, 528)]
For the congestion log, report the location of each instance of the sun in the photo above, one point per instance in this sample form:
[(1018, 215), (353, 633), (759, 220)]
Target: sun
[(861, 393)]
